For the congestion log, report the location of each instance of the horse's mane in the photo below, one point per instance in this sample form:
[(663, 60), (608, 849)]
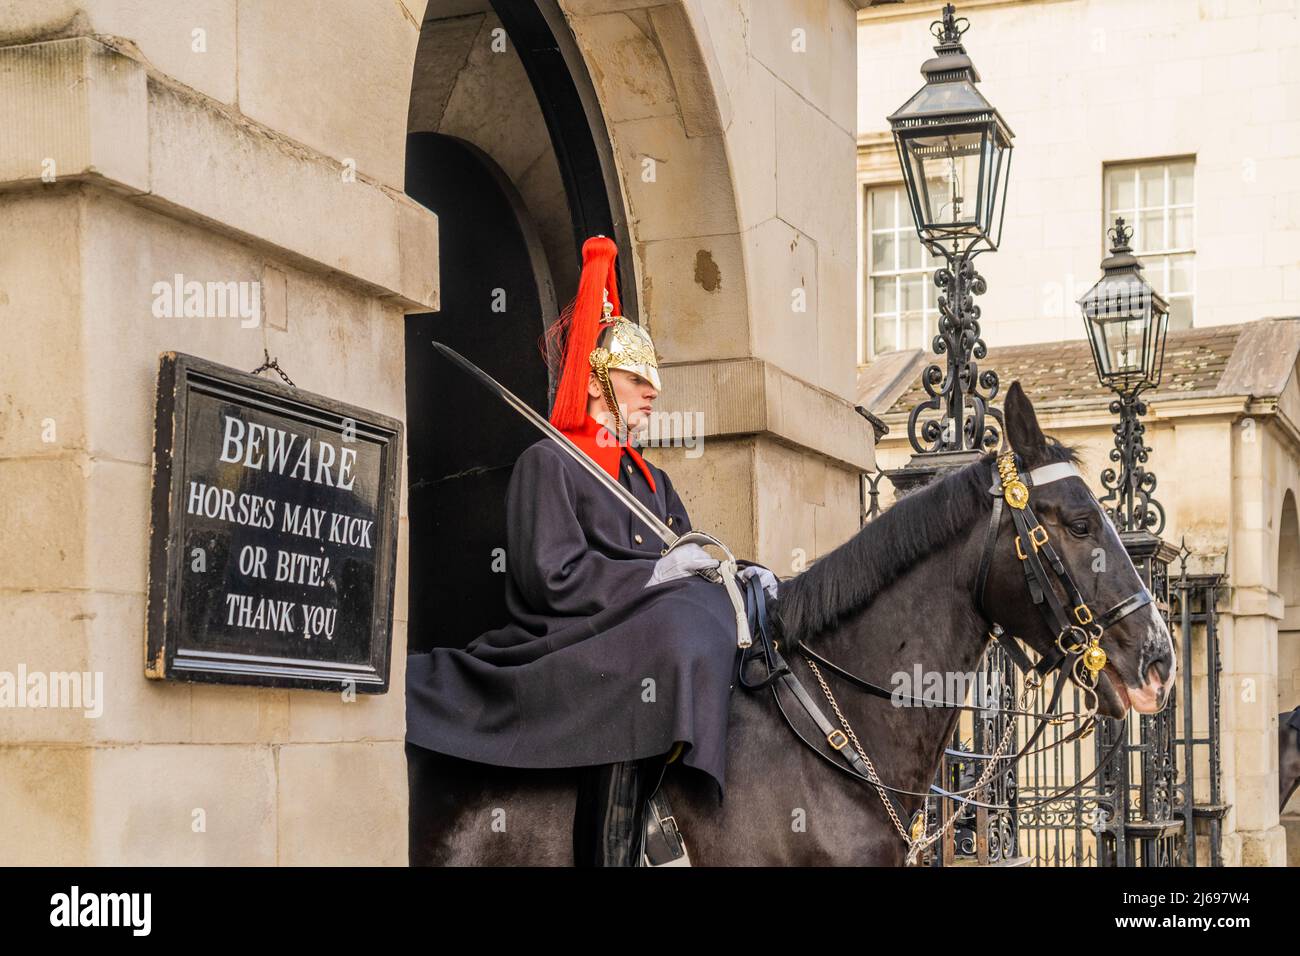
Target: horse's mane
[(914, 527)]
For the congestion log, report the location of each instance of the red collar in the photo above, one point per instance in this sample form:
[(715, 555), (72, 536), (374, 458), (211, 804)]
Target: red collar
[(605, 450)]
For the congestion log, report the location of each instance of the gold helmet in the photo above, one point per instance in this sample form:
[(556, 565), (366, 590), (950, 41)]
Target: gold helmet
[(595, 339), (624, 344)]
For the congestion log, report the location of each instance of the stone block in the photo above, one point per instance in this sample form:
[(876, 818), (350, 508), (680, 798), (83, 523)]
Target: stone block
[(815, 172), (193, 43), (837, 323), (73, 107), (342, 804), (1256, 752), (40, 301), (783, 270), (43, 635), (840, 517), (136, 709), (176, 805), (224, 714), (694, 298), (492, 104), (129, 255), (342, 86), (45, 799), (271, 189), (675, 186), (118, 522), (793, 39), (688, 49), (627, 67), (787, 531), (43, 507), (752, 139), (714, 486), (381, 716), (440, 56)]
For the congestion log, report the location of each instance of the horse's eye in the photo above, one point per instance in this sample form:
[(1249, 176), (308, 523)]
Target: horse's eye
[(1079, 527)]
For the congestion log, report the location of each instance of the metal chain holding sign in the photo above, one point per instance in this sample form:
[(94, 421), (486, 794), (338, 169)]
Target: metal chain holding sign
[(271, 364)]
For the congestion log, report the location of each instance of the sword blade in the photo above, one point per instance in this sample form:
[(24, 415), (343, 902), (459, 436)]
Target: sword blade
[(666, 534)]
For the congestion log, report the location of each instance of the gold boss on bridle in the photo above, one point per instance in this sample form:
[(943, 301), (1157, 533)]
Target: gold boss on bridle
[(1093, 658)]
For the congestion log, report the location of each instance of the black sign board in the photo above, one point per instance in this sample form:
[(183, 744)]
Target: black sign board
[(274, 536)]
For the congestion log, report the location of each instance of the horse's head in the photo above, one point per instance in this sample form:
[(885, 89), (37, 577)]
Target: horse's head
[(1140, 667)]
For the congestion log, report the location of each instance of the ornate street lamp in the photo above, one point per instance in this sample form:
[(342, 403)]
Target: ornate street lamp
[(955, 150), (1126, 322)]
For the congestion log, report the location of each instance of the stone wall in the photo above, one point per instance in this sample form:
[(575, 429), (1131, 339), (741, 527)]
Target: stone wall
[(218, 141)]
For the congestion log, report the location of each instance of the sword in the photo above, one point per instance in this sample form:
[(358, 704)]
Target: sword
[(726, 571)]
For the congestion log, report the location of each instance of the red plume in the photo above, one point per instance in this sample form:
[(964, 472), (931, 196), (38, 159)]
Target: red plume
[(578, 327)]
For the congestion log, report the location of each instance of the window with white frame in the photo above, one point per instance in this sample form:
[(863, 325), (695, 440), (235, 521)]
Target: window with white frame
[(900, 299), (1155, 199)]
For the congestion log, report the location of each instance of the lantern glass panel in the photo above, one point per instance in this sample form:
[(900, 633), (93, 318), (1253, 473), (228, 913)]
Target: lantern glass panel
[(948, 98), (997, 165), (1156, 345), (1123, 352), (945, 173)]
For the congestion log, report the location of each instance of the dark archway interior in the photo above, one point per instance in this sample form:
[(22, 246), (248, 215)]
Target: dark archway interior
[(462, 442), (497, 294)]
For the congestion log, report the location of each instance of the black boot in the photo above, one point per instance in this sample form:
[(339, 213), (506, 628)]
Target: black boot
[(610, 816)]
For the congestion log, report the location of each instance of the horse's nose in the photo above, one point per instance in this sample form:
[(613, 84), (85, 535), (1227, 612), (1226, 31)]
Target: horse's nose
[(1160, 677), (1160, 671), (1155, 680)]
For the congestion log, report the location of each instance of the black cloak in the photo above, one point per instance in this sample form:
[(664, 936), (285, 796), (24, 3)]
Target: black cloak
[(593, 667)]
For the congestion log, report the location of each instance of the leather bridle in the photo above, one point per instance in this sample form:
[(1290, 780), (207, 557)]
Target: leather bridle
[(1078, 635), (1011, 493)]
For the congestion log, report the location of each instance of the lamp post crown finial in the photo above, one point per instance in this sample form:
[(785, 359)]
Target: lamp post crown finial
[(1120, 236), (948, 30)]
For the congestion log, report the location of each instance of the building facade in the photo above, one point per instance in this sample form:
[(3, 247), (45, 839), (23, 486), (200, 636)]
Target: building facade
[(1183, 116)]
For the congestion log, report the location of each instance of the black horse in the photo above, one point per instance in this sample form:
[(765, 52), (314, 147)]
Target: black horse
[(897, 594), (1288, 755)]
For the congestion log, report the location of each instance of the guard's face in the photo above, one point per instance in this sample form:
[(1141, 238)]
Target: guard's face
[(634, 394)]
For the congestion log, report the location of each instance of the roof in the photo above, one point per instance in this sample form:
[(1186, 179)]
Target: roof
[(1250, 358)]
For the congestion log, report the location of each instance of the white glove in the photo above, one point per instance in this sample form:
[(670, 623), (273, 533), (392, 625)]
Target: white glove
[(765, 577), (681, 561)]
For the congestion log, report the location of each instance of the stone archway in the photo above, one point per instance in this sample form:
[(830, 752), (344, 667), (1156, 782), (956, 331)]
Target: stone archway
[(720, 224), (728, 146), (504, 146), (666, 112)]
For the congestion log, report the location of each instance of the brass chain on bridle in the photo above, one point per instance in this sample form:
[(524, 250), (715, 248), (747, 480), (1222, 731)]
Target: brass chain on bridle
[(915, 837)]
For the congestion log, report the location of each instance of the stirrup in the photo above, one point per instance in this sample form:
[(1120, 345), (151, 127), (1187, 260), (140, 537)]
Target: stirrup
[(664, 845)]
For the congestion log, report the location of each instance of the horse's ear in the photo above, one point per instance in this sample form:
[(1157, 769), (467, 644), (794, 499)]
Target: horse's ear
[(1024, 434)]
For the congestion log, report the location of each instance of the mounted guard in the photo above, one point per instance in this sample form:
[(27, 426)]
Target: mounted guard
[(620, 656)]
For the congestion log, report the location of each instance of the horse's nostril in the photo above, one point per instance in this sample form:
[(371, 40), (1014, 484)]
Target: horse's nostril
[(1154, 675)]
